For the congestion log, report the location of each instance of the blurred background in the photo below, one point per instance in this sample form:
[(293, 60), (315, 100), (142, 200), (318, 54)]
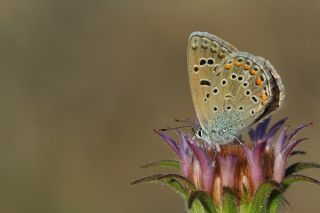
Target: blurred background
[(83, 83)]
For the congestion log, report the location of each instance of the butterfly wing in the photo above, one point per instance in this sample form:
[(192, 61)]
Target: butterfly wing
[(246, 89), (231, 90), (205, 52)]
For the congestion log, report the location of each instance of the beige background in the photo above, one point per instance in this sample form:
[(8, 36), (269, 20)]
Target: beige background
[(83, 83)]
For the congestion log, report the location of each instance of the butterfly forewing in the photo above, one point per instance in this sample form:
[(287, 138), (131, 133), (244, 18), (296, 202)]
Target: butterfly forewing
[(205, 52)]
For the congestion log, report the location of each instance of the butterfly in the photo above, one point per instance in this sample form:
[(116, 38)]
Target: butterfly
[(231, 90)]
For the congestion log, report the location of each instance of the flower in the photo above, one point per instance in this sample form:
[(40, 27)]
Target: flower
[(246, 177)]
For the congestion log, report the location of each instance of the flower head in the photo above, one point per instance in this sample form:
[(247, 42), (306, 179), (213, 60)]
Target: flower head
[(243, 175)]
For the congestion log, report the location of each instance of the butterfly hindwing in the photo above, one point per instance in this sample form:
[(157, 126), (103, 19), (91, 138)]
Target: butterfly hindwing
[(249, 90)]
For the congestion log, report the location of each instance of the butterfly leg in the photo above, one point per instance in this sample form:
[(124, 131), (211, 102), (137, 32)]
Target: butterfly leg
[(240, 142), (218, 148)]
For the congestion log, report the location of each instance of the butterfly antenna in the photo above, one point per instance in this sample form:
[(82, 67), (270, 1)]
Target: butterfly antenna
[(175, 128), (182, 121), (188, 121)]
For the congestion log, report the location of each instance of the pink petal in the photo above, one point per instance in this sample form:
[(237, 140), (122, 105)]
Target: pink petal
[(206, 169), (172, 144)]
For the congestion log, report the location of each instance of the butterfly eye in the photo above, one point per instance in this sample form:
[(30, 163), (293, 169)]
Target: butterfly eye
[(199, 133)]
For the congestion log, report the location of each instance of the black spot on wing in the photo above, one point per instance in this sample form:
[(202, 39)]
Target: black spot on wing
[(204, 82)]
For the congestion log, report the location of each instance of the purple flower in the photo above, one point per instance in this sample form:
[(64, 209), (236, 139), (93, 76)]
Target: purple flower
[(248, 172), (198, 165)]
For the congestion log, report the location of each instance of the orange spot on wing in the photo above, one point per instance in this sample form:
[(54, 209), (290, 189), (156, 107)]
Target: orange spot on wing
[(246, 67), (252, 72), (263, 98), (237, 64), (227, 66), (258, 82)]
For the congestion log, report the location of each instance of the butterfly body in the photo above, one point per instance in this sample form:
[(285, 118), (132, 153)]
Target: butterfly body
[(231, 90)]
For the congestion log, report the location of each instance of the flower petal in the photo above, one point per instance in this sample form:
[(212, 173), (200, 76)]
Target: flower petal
[(258, 151), (281, 141), (206, 168), (273, 130), (294, 132), (290, 146), (172, 144), (252, 134), (279, 167), (228, 169), (254, 161), (262, 127), (185, 158)]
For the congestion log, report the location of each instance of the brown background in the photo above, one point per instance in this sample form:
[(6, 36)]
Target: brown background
[(83, 83)]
